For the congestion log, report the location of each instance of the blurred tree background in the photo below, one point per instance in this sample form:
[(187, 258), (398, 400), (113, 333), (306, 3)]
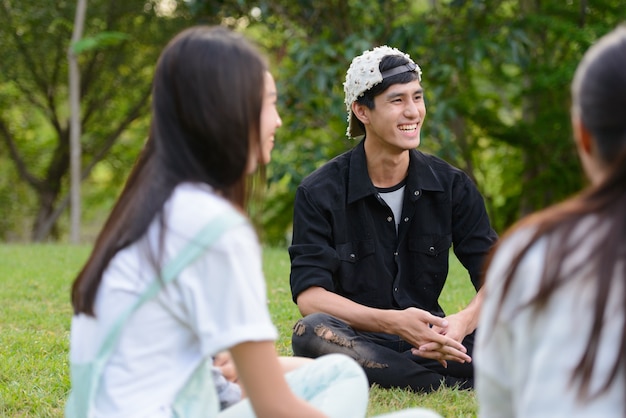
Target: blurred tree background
[(496, 76)]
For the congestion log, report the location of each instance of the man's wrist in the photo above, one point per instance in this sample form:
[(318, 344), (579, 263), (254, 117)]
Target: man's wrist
[(386, 320), (469, 320)]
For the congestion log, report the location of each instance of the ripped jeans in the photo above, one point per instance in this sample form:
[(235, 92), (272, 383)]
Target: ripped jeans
[(386, 359)]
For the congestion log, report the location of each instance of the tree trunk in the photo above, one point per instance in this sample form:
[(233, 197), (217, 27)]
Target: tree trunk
[(75, 128)]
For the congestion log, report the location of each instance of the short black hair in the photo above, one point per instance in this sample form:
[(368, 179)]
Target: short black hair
[(388, 62)]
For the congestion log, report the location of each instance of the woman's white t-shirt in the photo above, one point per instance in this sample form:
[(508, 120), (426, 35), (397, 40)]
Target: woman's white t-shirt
[(524, 358), (217, 302)]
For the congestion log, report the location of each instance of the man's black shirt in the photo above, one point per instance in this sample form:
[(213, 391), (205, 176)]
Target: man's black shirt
[(345, 240)]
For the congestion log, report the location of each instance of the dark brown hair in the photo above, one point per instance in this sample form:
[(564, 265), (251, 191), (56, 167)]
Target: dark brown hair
[(207, 96), (599, 97)]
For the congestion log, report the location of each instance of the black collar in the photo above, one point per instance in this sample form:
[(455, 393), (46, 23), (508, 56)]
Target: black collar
[(420, 176)]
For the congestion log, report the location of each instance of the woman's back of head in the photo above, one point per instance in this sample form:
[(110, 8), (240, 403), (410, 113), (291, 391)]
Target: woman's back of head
[(207, 98), (599, 106), (599, 94)]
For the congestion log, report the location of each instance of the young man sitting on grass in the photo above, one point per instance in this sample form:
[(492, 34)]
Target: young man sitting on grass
[(371, 237)]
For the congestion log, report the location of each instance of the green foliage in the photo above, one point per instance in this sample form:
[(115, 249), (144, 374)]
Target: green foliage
[(496, 78), (100, 40), (35, 283), (121, 44), (510, 86)]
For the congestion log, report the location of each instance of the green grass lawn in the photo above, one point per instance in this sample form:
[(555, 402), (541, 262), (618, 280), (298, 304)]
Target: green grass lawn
[(35, 321)]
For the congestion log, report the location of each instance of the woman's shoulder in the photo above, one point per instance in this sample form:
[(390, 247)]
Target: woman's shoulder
[(193, 206), (528, 269), (196, 202)]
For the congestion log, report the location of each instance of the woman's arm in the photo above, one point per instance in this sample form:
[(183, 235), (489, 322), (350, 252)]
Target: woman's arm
[(262, 376)]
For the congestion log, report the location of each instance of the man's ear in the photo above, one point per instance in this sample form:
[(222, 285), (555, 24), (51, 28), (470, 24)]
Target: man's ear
[(360, 111)]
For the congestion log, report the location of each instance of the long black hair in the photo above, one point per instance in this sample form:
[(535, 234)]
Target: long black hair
[(599, 99), (207, 97)]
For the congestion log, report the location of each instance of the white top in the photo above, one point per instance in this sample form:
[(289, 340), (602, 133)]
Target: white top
[(217, 302), (394, 200), (524, 360)]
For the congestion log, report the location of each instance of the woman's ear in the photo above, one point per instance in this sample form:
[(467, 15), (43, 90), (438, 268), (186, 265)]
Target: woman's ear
[(581, 135), (587, 152), (360, 111)]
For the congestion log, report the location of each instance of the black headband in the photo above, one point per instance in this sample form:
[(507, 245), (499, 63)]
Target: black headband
[(404, 68)]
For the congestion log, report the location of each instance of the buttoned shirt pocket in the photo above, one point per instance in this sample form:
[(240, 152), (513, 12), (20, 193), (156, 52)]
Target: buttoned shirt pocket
[(432, 246), (357, 263), (352, 252), (431, 253)]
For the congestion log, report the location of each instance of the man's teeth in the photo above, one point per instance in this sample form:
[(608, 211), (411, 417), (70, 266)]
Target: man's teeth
[(408, 127)]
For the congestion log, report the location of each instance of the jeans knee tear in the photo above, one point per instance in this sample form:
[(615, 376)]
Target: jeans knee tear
[(328, 335), (299, 328), (369, 364)]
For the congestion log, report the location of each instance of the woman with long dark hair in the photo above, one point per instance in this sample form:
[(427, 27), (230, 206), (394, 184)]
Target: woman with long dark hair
[(552, 334), (175, 275)]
